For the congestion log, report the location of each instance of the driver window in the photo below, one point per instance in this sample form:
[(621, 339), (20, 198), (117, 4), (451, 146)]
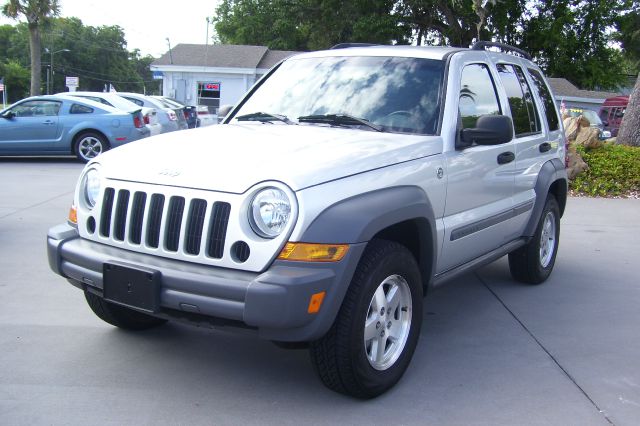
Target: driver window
[(477, 95), (36, 109)]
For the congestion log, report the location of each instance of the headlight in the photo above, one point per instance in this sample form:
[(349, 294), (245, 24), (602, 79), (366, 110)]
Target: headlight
[(270, 212), (91, 187)]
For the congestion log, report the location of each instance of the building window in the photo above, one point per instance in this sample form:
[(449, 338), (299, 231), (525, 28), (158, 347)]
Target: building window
[(209, 95)]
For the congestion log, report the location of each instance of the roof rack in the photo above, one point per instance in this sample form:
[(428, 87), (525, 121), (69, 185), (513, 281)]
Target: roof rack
[(483, 45), (347, 45)]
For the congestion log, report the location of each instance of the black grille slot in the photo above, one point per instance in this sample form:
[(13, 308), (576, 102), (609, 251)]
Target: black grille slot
[(105, 217), (154, 220), (137, 213), (174, 222), (195, 223), (218, 229), (120, 221)]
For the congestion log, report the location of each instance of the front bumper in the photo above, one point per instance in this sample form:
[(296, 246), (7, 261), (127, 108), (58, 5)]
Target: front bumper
[(274, 302)]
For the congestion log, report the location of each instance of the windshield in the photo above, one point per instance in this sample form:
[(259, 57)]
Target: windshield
[(397, 94)]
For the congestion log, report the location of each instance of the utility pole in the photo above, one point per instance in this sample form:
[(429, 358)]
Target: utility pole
[(170, 54), (206, 45)]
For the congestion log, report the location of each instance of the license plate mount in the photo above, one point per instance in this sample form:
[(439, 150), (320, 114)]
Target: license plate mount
[(133, 287)]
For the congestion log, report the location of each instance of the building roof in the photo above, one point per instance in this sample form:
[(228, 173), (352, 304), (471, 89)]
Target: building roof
[(222, 56), (564, 88)]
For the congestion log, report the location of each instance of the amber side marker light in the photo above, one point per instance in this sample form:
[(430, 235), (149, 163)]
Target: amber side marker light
[(316, 302), (308, 252), (73, 215)]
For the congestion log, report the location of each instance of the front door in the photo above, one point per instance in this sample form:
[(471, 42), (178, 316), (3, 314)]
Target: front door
[(30, 127)]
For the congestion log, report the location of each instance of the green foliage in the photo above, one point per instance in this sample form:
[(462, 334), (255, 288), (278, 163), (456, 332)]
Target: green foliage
[(16, 79), (97, 55), (614, 170), (568, 38)]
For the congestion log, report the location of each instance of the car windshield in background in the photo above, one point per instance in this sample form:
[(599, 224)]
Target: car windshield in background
[(396, 94)]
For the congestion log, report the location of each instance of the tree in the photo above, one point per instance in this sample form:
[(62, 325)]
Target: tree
[(36, 12), (16, 79), (629, 133)]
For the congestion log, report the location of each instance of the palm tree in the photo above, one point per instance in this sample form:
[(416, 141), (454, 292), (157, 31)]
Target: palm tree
[(35, 11)]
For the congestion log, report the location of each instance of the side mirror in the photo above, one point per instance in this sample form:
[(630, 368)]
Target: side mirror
[(224, 110), (489, 130), (8, 114)]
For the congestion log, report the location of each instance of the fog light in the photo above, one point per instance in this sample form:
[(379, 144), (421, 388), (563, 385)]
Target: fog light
[(307, 252)]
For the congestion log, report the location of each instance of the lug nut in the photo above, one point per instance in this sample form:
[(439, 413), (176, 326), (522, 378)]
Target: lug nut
[(389, 324), (378, 325), (381, 311)]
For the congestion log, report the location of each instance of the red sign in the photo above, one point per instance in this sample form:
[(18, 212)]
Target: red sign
[(212, 86)]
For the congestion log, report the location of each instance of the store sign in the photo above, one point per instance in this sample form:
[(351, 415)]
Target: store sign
[(211, 86), (157, 75), (72, 81)]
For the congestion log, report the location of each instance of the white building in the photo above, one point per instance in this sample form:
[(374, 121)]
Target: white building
[(214, 75)]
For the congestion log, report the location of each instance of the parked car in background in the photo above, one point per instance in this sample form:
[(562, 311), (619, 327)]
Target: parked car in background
[(612, 111), (166, 116), (594, 121), (62, 125), (149, 115), (181, 112)]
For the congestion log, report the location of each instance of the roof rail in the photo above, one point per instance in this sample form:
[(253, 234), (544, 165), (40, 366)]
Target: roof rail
[(483, 45), (347, 45)]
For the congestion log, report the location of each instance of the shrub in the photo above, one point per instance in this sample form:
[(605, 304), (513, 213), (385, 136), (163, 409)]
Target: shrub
[(614, 170)]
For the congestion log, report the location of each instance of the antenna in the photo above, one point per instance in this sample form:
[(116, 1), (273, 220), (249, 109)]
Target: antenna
[(170, 54)]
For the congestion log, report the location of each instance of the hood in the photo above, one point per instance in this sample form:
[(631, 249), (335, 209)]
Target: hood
[(233, 157)]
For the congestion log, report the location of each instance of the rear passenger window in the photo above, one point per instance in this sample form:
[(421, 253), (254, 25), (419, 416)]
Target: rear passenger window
[(547, 100), (80, 109), (477, 95), (523, 110)]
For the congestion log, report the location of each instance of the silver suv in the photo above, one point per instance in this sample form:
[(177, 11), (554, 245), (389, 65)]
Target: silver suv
[(342, 188)]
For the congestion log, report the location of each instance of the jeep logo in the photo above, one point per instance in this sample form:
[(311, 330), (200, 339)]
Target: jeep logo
[(169, 172)]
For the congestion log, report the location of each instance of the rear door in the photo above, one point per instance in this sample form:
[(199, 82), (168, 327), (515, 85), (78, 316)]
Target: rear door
[(535, 144)]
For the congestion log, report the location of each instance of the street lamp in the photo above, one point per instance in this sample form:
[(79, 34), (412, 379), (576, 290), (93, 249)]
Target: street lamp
[(51, 65)]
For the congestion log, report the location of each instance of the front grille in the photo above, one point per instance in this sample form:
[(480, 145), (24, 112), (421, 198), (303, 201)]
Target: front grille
[(173, 223)]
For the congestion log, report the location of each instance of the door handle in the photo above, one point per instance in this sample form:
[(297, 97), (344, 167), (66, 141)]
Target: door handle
[(47, 122), (544, 147), (506, 157)]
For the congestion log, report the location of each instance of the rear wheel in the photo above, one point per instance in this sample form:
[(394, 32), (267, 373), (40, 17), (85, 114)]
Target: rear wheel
[(534, 262), (120, 316), (372, 340), (89, 145)]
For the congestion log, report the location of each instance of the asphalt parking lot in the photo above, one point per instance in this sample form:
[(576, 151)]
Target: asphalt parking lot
[(492, 351)]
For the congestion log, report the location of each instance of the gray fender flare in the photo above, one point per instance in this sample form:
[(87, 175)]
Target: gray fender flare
[(552, 171), (358, 219)]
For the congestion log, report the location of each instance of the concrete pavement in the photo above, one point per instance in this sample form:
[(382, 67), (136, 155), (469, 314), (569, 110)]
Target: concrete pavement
[(492, 351)]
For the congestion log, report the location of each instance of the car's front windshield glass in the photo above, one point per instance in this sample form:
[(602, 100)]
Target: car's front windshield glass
[(395, 93)]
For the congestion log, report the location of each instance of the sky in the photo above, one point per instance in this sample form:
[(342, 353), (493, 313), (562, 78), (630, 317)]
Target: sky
[(146, 24)]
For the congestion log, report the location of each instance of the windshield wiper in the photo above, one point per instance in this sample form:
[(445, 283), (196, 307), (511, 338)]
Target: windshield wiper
[(264, 117), (340, 119)]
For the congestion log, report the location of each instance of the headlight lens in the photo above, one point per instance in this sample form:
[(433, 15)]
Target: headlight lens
[(270, 212), (91, 188)]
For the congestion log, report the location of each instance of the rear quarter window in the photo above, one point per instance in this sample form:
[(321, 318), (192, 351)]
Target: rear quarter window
[(80, 109), (523, 110)]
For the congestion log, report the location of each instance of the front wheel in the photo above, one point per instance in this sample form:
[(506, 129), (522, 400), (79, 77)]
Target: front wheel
[(89, 145), (370, 344), (534, 262)]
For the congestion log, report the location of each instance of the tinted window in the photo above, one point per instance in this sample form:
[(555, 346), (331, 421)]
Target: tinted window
[(523, 110), (80, 109), (477, 95), (547, 100), (36, 109), (134, 100), (399, 94)]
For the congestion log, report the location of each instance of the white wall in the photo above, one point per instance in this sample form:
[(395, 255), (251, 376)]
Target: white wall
[(184, 85)]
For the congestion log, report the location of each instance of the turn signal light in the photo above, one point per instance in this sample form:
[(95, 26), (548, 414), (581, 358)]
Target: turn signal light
[(73, 215), (316, 302), (308, 252)]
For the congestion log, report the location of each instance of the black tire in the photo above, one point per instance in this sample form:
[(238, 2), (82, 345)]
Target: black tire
[(529, 264), (88, 145), (340, 357), (120, 316)]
